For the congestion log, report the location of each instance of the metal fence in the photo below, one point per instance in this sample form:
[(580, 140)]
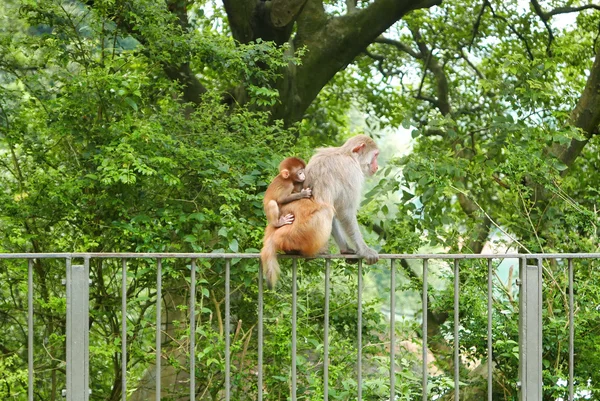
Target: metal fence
[(530, 319)]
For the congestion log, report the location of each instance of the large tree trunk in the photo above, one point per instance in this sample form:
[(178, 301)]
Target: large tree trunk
[(331, 43), (585, 116)]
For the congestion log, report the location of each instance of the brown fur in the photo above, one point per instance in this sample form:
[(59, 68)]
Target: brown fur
[(285, 188)]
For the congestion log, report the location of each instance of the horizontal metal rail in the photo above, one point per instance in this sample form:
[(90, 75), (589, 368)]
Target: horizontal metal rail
[(176, 255), (529, 334)]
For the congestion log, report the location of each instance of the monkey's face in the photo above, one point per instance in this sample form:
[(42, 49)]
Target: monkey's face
[(369, 162), (373, 166), (300, 176), (366, 152)]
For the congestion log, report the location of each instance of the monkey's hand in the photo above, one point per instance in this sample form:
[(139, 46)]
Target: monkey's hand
[(370, 255), (306, 192), (285, 220)]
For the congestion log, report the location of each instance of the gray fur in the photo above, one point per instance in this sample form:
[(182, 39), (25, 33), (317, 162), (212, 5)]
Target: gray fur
[(336, 176)]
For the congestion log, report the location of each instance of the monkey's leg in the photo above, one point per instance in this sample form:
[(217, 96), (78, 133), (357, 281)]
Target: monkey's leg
[(340, 238), (350, 225)]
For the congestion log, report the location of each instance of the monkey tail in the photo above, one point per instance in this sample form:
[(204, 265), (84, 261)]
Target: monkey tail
[(270, 266)]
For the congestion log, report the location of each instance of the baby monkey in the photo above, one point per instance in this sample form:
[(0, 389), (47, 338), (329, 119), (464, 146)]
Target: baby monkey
[(285, 188)]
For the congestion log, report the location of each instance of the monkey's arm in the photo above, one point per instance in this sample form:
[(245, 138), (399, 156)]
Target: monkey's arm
[(350, 225), (305, 193)]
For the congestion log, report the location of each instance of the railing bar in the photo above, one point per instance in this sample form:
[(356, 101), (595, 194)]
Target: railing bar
[(435, 256), (540, 367), (522, 377), (489, 330), (124, 330), (260, 332), (392, 330), (77, 340), (456, 324), (326, 334), (86, 332), (227, 330), (158, 325), (530, 329), (192, 331), (359, 329), (420, 256), (571, 331), (30, 330), (69, 333), (425, 374), (294, 328)]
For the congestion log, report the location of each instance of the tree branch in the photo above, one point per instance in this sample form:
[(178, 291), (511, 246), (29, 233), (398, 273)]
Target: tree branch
[(544, 17), (479, 235), (400, 46), (334, 43), (434, 132), (469, 206), (192, 87), (377, 57), (485, 4), (515, 31), (434, 102), (179, 8), (350, 6), (284, 12), (433, 64), (464, 57), (566, 10), (473, 205), (380, 59)]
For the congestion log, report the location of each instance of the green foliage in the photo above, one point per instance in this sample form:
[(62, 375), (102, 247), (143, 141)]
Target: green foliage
[(487, 97), (12, 377), (100, 154)]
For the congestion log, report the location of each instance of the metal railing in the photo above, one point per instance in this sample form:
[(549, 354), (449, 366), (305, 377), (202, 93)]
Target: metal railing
[(530, 319)]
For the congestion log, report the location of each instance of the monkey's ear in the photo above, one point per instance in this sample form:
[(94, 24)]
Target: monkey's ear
[(358, 148), (285, 173)]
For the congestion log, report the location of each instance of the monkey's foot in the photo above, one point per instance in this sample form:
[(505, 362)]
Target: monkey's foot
[(293, 252), (298, 253), (349, 251)]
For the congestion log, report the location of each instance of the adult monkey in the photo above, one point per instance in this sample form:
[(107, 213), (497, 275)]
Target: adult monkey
[(336, 176)]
